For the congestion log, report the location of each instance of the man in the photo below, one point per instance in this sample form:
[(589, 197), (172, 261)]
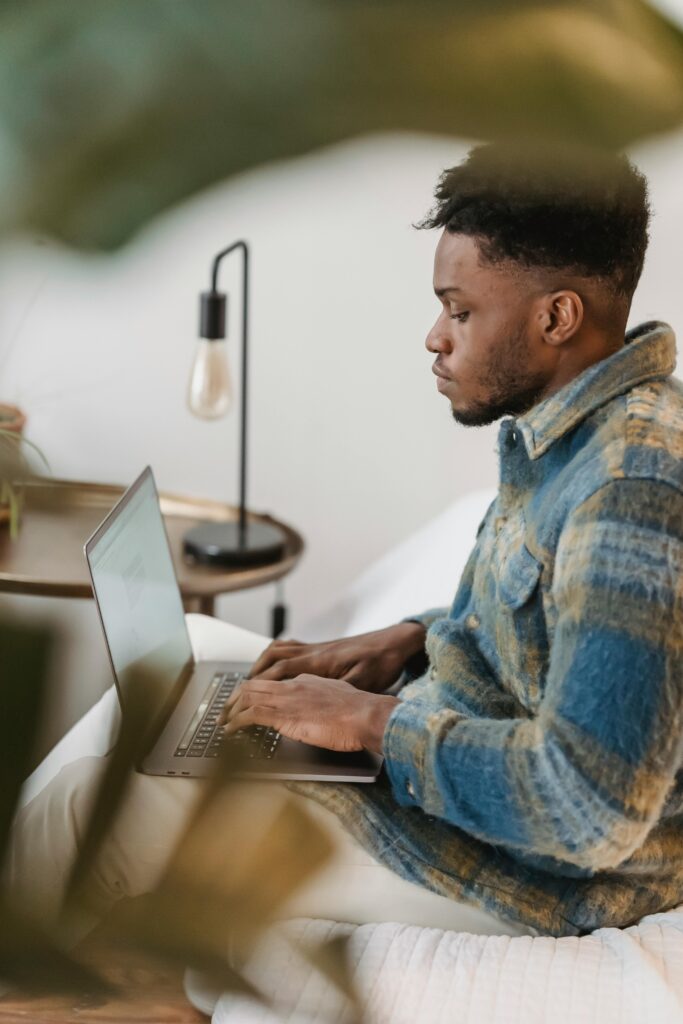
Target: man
[(532, 760), (545, 739)]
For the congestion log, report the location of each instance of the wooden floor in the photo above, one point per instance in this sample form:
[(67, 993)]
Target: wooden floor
[(149, 994)]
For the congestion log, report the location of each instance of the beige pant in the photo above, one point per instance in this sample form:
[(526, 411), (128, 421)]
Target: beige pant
[(352, 886)]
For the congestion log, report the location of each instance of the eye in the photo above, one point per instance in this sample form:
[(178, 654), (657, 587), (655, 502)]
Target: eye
[(460, 317)]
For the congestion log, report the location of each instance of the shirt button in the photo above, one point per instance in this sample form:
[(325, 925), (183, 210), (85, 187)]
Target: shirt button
[(410, 790), (472, 621), (432, 672)]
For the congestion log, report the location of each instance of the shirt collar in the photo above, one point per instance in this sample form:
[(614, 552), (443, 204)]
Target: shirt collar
[(649, 353)]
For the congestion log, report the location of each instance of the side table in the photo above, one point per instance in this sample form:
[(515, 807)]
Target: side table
[(59, 515)]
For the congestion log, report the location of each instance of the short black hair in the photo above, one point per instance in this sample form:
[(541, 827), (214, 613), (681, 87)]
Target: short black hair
[(581, 210)]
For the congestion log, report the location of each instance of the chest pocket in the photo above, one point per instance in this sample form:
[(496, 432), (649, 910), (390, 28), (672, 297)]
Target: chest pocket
[(519, 578), (521, 637)]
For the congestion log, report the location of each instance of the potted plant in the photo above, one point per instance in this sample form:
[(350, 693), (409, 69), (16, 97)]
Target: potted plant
[(14, 466)]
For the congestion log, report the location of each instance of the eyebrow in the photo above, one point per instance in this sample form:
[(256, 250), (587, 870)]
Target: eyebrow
[(444, 291)]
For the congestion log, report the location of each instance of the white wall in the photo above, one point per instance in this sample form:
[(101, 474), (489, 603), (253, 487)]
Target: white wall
[(350, 441)]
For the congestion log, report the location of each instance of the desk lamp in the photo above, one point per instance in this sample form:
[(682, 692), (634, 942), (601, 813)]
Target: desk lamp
[(241, 543)]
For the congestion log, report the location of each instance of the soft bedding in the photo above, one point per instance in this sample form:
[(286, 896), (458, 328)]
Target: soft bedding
[(406, 974)]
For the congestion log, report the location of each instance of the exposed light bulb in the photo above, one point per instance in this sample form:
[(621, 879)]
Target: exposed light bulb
[(210, 392)]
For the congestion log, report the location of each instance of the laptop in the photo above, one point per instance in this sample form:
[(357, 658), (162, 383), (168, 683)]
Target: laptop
[(141, 611)]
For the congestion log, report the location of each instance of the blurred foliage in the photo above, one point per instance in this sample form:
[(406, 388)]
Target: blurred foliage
[(331, 959), (26, 653), (29, 956), (225, 882), (113, 110)]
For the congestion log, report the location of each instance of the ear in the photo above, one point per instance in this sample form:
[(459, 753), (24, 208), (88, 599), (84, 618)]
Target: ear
[(561, 316)]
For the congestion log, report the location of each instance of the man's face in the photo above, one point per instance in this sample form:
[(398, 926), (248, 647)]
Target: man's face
[(489, 358)]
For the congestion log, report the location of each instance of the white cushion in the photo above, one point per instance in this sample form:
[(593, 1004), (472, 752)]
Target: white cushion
[(419, 573)]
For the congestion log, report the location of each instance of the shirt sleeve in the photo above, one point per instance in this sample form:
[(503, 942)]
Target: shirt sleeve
[(585, 779), (427, 618), (418, 663)]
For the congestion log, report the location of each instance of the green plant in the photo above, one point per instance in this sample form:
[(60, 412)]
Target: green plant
[(211, 899), (15, 469), (604, 72)]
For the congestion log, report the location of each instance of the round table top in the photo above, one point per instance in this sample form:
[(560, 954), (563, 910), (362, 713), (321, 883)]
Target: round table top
[(47, 557)]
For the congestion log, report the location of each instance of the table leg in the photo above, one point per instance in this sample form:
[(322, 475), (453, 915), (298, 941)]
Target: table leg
[(205, 605)]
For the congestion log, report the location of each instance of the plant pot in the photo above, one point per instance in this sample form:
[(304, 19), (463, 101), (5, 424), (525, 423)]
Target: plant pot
[(11, 418)]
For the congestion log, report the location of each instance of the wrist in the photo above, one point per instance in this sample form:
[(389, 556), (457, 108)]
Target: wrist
[(374, 720)]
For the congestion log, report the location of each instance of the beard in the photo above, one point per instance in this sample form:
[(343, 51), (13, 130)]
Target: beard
[(511, 387)]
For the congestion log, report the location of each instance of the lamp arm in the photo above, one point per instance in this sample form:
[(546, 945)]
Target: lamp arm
[(242, 245)]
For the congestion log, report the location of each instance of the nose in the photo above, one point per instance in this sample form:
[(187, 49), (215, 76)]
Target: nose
[(438, 339)]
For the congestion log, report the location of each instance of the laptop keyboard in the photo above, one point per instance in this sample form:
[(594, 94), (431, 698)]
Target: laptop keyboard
[(204, 737)]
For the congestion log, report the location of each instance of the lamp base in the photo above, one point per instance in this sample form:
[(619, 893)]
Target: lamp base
[(219, 544)]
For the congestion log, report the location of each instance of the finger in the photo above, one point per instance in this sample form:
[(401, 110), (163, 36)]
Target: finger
[(256, 714), (274, 652), (364, 674), (354, 676), (288, 668), (243, 696)]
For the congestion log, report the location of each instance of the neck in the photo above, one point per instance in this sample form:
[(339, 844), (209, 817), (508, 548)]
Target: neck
[(586, 349)]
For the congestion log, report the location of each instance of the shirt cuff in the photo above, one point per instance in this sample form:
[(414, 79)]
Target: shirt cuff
[(427, 618), (404, 745)]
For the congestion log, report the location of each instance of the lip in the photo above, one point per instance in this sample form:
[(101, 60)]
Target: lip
[(443, 381), (438, 373)]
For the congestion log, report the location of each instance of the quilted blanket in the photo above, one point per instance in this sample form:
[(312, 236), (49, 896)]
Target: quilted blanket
[(405, 974)]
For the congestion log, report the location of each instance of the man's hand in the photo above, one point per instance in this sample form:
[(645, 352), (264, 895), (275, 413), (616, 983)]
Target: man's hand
[(328, 713), (371, 661)]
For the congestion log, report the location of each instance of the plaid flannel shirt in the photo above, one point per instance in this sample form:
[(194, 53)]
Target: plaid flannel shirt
[(534, 767)]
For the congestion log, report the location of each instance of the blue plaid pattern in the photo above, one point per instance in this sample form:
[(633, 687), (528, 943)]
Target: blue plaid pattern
[(535, 767)]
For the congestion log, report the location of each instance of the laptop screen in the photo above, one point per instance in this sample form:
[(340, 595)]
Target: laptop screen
[(137, 592)]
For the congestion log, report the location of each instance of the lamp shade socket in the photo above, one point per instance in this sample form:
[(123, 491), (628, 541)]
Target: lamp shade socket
[(212, 306)]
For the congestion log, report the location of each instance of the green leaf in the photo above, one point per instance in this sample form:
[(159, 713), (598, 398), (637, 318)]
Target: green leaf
[(138, 723), (225, 883), (331, 959), (30, 959), (145, 924), (13, 501), (237, 870), (112, 112), (27, 651)]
